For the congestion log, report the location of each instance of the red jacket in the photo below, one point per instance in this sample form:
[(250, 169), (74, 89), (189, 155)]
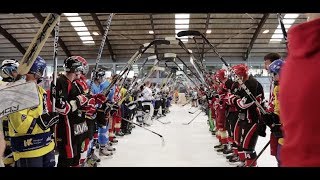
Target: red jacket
[(299, 100)]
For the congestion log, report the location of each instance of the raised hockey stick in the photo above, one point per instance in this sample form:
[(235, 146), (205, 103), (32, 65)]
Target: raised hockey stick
[(101, 49), (197, 33), (55, 64), (163, 142), (283, 29), (20, 95), (132, 60), (192, 119), (37, 43)]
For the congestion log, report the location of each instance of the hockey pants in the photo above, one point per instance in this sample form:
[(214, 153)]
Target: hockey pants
[(246, 136), (47, 160)]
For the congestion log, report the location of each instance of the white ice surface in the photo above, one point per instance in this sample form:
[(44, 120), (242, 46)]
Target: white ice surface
[(185, 145)]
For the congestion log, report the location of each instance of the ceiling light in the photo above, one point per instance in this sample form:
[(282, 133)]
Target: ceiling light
[(72, 19), (151, 32), (182, 16), (277, 36), (95, 33), (83, 33), (86, 38), (208, 31), (265, 31), (71, 14), (182, 21), (182, 26), (81, 28), (88, 42), (291, 16), (78, 24)]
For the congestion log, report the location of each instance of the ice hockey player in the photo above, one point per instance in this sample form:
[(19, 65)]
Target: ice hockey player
[(246, 130), (268, 59), (71, 130), (125, 111), (157, 99), (221, 111), (146, 103), (102, 119), (87, 112), (29, 129), (8, 73), (273, 119)]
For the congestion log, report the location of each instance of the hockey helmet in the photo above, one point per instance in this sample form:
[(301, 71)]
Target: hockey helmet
[(8, 66), (38, 67), (275, 66), (241, 70), (221, 74), (76, 64)]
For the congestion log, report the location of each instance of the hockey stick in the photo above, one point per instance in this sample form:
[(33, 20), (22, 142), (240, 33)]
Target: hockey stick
[(170, 57), (186, 103), (55, 64), (192, 119), (101, 49), (37, 43), (194, 111), (13, 99), (197, 67), (163, 142), (168, 122), (283, 29), (132, 60), (197, 33), (264, 148)]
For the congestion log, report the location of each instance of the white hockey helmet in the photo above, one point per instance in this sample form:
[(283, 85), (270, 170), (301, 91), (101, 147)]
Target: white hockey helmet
[(8, 66)]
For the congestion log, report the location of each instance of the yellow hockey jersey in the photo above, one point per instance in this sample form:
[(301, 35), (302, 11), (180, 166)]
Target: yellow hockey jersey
[(277, 107), (28, 140)]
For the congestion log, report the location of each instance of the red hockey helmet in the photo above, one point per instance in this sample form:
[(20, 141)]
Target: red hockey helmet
[(241, 70), (221, 74)]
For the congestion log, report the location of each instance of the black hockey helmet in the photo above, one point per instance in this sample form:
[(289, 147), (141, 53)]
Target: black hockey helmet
[(75, 63)]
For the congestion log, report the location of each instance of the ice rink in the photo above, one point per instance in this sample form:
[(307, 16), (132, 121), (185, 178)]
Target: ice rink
[(185, 145)]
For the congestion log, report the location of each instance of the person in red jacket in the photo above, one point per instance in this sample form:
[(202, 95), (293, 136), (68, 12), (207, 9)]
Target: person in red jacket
[(300, 105)]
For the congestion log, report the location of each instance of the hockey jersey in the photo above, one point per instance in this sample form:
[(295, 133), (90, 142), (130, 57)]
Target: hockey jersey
[(27, 139)]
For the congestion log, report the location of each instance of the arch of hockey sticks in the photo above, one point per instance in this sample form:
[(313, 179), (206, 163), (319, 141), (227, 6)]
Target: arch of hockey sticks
[(52, 21)]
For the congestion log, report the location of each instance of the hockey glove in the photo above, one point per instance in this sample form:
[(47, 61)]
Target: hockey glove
[(261, 129), (100, 98), (45, 121), (270, 118), (62, 106), (276, 131), (90, 108), (114, 109), (79, 102)]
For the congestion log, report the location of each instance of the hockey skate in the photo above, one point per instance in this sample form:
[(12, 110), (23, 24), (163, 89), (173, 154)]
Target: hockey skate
[(229, 156), (120, 134), (114, 141), (109, 148), (219, 146), (220, 151), (105, 153)]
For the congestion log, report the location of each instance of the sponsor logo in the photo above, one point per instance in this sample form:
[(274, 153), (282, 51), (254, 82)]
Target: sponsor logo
[(9, 110), (27, 142), (80, 128)]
